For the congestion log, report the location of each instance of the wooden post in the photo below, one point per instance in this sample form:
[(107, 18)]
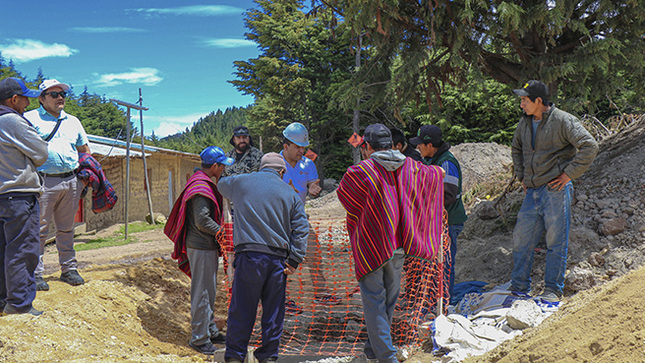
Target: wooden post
[(145, 165)]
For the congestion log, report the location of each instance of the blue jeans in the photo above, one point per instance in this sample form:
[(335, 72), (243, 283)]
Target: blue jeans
[(258, 277), (543, 210), (379, 292), (449, 260)]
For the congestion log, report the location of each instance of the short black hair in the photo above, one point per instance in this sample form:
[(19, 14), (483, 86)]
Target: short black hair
[(397, 136), (207, 166), (380, 146), (286, 141)]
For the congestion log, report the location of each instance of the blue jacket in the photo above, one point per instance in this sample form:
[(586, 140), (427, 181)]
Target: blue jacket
[(269, 216)]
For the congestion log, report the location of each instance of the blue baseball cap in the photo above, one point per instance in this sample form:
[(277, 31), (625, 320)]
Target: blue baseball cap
[(15, 86), (215, 155)]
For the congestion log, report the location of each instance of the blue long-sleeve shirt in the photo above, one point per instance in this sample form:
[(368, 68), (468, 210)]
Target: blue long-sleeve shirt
[(269, 215)]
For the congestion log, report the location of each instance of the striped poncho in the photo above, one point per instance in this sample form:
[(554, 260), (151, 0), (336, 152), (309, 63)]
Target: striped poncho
[(175, 229), (387, 210)]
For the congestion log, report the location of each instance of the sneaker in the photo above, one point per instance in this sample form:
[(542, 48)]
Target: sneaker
[(326, 299), (207, 348), (549, 296), (218, 338), (10, 310), (41, 284), (72, 277), (291, 308)]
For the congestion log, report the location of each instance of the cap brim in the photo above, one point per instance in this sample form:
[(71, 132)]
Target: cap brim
[(415, 141), (520, 92), (32, 93), (228, 161), (61, 85)]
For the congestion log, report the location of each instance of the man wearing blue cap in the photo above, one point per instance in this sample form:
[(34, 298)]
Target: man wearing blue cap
[(22, 152), (193, 225)]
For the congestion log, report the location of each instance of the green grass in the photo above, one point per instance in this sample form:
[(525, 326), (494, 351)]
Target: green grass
[(117, 239)]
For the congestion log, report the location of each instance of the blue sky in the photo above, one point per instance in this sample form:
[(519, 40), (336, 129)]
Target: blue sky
[(180, 53)]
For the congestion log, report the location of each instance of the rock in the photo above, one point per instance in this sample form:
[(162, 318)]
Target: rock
[(605, 203), (486, 210), (608, 213), (329, 184), (579, 279), (613, 226), (582, 197), (596, 259), (159, 218), (524, 314)]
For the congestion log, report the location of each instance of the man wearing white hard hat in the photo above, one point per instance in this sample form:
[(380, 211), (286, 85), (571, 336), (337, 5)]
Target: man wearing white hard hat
[(59, 202), (302, 176)]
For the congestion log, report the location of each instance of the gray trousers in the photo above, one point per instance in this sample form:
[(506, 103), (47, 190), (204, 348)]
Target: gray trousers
[(203, 287), (58, 204)]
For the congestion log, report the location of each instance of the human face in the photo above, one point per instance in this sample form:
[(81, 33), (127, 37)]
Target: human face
[(531, 108), (18, 103), (292, 153), (241, 143), (425, 150), (51, 104)]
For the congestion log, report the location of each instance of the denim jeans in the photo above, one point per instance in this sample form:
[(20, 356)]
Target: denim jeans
[(543, 210), (379, 292), (449, 260)]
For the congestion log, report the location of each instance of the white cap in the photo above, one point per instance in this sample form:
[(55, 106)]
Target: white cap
[(49, 83)]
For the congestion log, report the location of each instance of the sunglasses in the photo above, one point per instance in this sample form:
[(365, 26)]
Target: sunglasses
[(56, 94)]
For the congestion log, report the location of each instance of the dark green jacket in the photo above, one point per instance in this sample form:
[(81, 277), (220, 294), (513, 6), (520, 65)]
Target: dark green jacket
[(562, 144), (454, 205)]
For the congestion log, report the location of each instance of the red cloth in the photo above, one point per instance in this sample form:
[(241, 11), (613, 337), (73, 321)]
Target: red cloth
[(387, 210), (175, 229)]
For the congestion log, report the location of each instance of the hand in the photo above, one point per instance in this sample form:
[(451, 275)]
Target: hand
[(559, 182), (314, 188), (288, 270)]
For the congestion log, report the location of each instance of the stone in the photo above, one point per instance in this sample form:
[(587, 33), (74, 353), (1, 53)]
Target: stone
[(579, 279), (582, 197), (159, 218), (486, 210), (613, 226), (596, 259), (524, 314)]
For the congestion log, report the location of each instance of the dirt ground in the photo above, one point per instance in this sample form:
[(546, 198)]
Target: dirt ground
[(135, 308)]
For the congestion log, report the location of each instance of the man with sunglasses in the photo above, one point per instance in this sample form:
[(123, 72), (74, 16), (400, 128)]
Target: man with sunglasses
[(59, 202)]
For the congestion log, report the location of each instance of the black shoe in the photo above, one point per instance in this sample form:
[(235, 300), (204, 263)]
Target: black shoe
[(10, 310), (219, 338), (207, 348), (41, 284), (72, 277)]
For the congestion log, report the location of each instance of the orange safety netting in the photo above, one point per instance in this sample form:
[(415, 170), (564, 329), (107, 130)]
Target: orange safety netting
[(327, 318)]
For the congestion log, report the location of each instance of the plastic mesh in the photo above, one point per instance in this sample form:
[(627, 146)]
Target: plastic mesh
[(325, 315)]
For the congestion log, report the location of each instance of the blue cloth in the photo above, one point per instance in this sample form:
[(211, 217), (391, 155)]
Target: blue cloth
[(258, 277), (63, 156), (379, 292), (269, 216), (543, 210), (300, 176), (461, 289), (449, 260), (19, 249)]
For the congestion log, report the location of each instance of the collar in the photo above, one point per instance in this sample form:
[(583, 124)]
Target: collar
[(43, 112)]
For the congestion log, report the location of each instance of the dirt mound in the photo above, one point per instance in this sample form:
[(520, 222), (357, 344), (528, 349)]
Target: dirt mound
[(137, 312)]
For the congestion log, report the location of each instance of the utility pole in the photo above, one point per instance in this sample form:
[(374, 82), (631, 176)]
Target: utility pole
[(145, 165), (127, 155), (356, 154)]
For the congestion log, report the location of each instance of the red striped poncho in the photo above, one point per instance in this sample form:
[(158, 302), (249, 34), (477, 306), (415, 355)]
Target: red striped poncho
[(175, 229), (387, 210)]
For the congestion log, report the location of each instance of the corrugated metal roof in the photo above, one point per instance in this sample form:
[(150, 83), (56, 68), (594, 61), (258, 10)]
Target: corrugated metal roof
[(112, 147)]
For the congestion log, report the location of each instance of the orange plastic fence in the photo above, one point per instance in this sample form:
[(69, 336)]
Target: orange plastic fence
[(327, 315)]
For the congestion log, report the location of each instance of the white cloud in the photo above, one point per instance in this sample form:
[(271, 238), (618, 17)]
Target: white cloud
[(145, 76), (106, 29), (197, 10), (229, 43), (170, 125), (25, 50)]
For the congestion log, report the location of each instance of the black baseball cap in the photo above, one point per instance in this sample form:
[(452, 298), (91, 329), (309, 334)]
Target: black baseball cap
[(14, 86), (427, 134), (377, 134), (241, 131), (534, 89)]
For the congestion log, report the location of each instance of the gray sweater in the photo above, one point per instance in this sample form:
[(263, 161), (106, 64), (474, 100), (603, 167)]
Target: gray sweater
[(269, 216), (22, 151)]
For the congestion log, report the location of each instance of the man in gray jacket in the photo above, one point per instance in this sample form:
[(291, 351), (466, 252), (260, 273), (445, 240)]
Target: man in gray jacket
[(22, 152), (270, 236), (550, 148)]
